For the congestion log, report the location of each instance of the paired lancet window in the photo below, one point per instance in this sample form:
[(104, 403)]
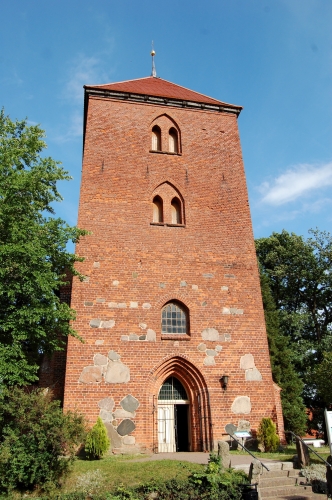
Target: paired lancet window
[(173, 213), (158, 140)]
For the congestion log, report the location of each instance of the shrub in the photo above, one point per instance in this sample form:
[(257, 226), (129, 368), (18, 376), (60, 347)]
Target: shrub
[(37, 440), (267, 435), (97, 442), (217, 482)]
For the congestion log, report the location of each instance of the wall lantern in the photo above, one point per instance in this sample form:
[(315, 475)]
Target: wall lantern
[(224, 381)]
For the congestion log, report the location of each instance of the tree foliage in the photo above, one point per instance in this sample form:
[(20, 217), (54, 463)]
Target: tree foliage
[(322, 376), (37, 440), (97, 442), (33, 256), (283, 371), (299, 274)]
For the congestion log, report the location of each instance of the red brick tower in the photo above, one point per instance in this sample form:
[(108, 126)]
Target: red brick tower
[(171, 302)]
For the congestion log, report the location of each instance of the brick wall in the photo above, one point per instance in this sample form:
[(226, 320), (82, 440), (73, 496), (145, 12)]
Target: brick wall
[(134, 267)]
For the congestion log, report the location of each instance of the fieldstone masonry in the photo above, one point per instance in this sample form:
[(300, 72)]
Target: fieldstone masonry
[(247, 363), (241, 404), (108, 367)]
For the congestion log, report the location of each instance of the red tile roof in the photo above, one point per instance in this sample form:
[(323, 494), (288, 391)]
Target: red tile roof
[(153, 86)]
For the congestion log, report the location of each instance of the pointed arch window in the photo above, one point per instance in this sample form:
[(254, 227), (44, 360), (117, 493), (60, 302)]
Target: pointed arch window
[(176, 211), (173, 144), (158, 215), (174, 319), (156, 138), (171, 390)]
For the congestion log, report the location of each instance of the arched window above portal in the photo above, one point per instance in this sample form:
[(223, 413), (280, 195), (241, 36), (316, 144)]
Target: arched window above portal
[(172, 390), (156, 138), (175, 318), (157, 207)]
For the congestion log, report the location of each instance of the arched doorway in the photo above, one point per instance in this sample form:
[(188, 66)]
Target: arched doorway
[(173, 417), (197, 404)]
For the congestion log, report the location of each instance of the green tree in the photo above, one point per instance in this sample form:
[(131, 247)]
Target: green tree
[(299, 273), (37, 440), (322, 377), (283, 371), (97, 442), (33, 255)]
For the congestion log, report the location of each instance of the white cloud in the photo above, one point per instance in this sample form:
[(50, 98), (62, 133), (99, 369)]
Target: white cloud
[(296, 182), (85, 70)]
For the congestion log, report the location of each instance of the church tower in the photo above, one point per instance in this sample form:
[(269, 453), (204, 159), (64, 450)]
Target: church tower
[(170, 309)]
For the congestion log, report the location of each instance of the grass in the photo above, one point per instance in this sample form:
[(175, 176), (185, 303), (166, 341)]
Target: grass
[(113, 471), (122, 470)]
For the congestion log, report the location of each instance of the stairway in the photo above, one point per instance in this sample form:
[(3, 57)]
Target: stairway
[(283, 482)]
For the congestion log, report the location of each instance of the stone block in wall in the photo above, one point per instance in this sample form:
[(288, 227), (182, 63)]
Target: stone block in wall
[(126, 427), (150, 335), (247, 361), (129, 440), (210, 334), (107, 324), (241, 404), (95, 323), (211, 352), (209, 361), (105, 415), (243, 425), (120, 413), (253, 375), (117, 373), (91, 375), (106, 404), (113, 356), (129, 403), (99, 359), (116, 440)]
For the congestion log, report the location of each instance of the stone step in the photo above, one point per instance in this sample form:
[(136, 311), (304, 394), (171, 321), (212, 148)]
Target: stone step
[(272, 466), (280, 473), (265, 482), (286, 492), (307, 496)]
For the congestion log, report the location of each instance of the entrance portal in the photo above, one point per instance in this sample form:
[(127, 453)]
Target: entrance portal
[(173, 417)]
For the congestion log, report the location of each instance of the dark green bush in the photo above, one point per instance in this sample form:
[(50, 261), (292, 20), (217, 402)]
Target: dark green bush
[(37, 440), (267, 435), (97, 442)]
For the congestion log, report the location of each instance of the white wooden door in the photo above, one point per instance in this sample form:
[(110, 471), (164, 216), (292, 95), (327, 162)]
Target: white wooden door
[(166, 428)]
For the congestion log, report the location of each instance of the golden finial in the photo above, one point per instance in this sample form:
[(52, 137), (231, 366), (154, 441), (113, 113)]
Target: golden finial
[(153, 53)]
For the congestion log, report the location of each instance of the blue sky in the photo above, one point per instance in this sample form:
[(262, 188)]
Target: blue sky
[(273, 57)]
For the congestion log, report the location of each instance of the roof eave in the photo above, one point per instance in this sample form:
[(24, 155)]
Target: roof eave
[(161, 100)]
